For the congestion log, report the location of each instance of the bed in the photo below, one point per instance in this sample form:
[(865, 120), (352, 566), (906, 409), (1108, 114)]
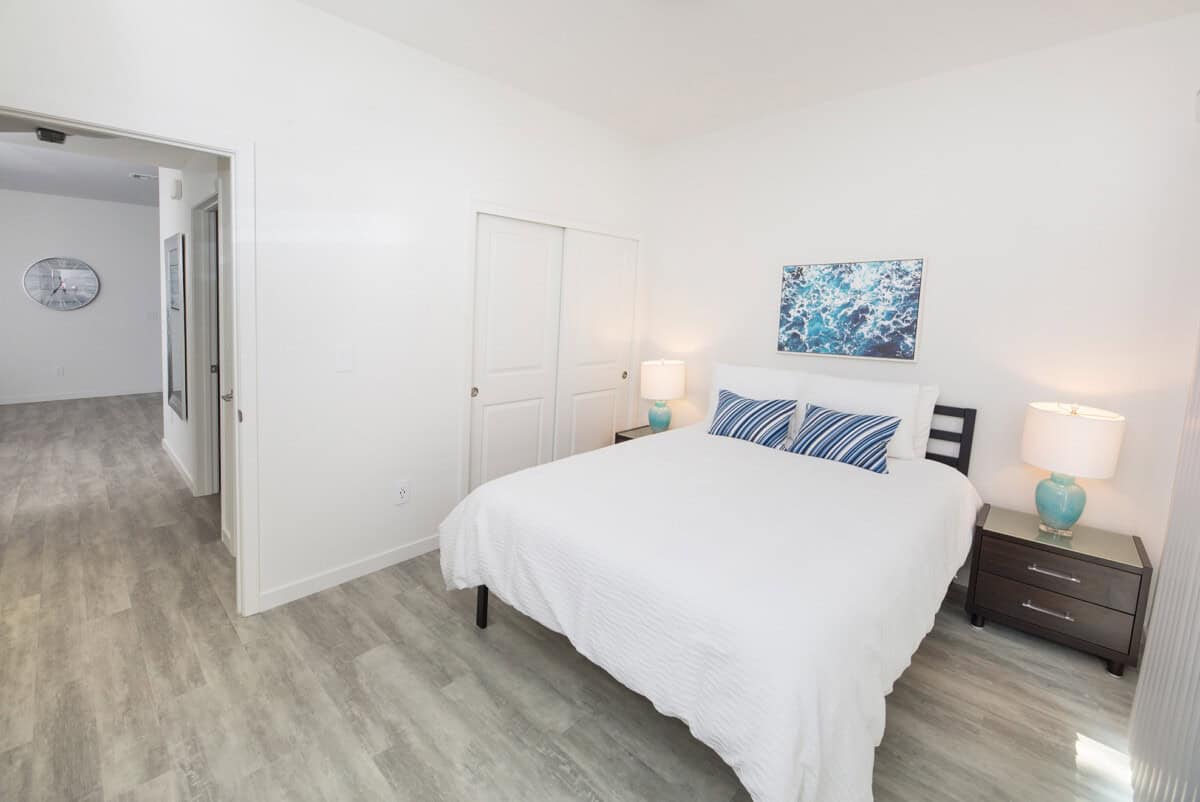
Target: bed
[(767, 599)]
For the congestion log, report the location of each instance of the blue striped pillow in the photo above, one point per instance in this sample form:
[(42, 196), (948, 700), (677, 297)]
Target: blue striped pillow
[(762, 422), (859, 440)]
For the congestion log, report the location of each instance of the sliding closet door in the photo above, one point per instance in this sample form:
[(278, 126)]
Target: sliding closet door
[(595, 345), (518, 279)]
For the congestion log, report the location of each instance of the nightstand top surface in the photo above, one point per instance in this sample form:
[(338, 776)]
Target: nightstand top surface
[(1085, 540), (637, 431)]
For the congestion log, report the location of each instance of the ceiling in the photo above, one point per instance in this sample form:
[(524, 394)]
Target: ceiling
[(87, 165), (665, 69), (18, 129), (61, 172)]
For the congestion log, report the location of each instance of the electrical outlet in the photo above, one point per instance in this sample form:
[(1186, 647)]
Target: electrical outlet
[(59, 370), (403, 492)]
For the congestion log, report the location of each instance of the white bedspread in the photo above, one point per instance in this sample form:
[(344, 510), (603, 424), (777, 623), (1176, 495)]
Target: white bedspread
[(767, 599)]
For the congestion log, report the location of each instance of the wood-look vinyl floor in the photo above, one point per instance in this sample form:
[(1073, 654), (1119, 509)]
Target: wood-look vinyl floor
[(125, 673)]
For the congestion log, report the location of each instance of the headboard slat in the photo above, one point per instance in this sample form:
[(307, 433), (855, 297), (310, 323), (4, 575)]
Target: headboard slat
[(942, 434), (963, 439)]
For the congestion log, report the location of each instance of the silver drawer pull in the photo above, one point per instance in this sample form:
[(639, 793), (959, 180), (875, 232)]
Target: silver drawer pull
[(1028, 605), (1034, 567)]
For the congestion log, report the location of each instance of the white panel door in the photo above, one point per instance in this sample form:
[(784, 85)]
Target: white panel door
[(518, 280), (596, 341)]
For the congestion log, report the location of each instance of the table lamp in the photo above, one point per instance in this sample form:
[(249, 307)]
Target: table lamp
[(662, 380), (1068, 440)]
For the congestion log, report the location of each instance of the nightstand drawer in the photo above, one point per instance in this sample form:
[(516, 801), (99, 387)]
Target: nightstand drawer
[(1079, 619), (1079, 579)]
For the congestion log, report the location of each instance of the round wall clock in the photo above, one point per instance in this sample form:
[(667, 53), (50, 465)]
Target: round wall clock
[(62, 283)]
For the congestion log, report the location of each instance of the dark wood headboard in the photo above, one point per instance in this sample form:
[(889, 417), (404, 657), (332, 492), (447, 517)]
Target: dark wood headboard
[(962, 460)]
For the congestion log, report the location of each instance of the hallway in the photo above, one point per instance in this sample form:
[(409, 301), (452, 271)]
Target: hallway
[(108, 564)]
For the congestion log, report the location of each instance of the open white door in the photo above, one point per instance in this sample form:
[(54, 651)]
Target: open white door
[(518, 278), (228, 341), (596, 343)]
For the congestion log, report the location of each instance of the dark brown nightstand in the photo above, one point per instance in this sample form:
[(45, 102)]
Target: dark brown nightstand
[(633, 434), (1087, 591)]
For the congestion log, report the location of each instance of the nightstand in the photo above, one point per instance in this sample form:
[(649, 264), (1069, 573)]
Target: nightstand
[(633, 434), (1087, 591)]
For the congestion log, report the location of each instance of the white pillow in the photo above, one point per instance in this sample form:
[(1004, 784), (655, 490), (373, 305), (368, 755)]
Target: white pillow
[(761, 384), (926, 401), (869, 398)]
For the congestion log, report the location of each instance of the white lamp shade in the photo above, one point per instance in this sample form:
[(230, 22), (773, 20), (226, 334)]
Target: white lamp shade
[(1070, 439), (662, 379)]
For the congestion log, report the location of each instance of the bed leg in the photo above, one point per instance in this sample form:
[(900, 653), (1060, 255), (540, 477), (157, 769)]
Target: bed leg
[(481, 600)]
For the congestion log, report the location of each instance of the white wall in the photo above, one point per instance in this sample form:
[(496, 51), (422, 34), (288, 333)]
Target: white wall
[(367, 157), (110, 346), (1055, 199), (182, 438)]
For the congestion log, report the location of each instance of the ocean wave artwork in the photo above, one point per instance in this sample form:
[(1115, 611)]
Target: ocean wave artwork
[(863, 309)]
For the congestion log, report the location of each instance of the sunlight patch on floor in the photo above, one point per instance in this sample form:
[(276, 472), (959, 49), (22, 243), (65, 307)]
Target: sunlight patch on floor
[(1094, 759)]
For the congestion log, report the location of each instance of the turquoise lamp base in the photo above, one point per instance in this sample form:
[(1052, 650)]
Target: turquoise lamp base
[(660, 416), (1059, 503)]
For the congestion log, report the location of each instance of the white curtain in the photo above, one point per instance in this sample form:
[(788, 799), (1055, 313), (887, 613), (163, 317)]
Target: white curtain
[(1165, 734)]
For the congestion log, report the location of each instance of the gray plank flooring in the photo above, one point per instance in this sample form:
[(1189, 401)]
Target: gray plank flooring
[(125, 673)]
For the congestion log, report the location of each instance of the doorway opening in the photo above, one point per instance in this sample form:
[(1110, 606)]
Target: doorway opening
[(158, 302)]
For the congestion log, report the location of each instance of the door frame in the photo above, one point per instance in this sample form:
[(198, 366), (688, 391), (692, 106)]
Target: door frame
[(474, 208), (208, 351), (241, 219)]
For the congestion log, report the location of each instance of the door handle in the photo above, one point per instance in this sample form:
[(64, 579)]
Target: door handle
[(228, 396), (624, 374), (474, 392)]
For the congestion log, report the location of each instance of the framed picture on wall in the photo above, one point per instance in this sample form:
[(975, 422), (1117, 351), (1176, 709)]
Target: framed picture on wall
[(175, 264), (870, 310)]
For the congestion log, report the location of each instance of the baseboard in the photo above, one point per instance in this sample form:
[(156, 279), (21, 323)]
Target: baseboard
[(336, 576), (38, 398), (179, 466), (227, 539)]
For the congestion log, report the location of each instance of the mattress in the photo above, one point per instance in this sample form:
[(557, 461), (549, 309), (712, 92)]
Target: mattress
[(769, 600)]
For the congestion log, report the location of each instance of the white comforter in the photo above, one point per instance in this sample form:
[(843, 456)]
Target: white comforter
[(767, 599)]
